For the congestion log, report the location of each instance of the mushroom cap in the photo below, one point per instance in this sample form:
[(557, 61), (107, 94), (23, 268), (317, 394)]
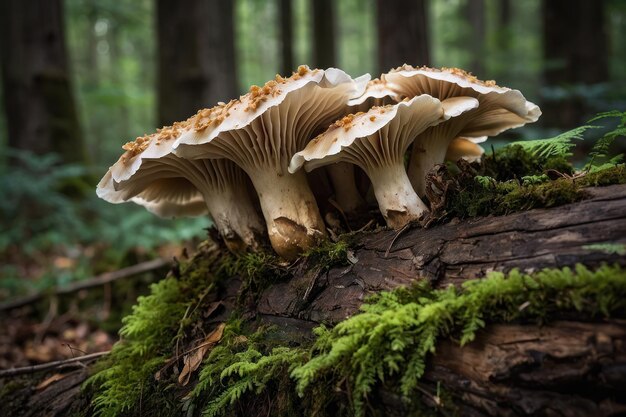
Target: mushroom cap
[(500, 108), (193, 207), (466, 148), (293, 107), (168, 189), (378, 90), (410, 118)]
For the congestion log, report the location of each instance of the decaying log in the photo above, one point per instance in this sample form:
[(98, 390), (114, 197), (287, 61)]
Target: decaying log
[(568, 368), (451, 253)]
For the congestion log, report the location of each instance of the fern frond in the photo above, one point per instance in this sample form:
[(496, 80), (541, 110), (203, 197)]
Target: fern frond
[(560, 145)]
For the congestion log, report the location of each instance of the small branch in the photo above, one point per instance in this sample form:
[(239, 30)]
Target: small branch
[(50, 365), (97, 281)]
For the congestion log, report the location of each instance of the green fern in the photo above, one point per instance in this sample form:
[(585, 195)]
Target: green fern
[(601, 149), (560, 145)]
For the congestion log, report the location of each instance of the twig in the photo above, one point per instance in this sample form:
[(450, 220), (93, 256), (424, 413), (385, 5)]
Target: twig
[(50, 365), (88, 283), (405, 227)]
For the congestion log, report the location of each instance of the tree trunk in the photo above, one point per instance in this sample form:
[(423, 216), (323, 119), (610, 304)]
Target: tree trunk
[(574, 367), (324, 47), (196, 56), (286, 36), (475, 12), (38, 100), (402, 33), (573, 57)]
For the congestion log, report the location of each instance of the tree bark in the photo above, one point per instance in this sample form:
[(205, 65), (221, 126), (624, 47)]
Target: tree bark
[(196, 57), (38, 100), (574, 367), (573, 57), (402, 33), (324, 48)]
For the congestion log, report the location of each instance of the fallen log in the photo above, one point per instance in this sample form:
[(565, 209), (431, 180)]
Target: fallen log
[(573, 367)]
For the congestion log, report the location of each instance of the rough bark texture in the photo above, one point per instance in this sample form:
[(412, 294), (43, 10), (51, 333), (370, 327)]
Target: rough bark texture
[(454, 252), (575, 367), (196, 56), (40, 109), (402, 33)]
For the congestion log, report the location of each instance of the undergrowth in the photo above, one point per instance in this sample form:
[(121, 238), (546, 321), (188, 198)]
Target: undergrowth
[(246, 365), (124, 381), (531, 174)]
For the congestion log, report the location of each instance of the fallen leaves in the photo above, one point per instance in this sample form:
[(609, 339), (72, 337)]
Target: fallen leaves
[(193, 359)]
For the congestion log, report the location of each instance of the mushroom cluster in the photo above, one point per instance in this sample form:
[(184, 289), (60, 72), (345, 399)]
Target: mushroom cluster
[(260, 156)]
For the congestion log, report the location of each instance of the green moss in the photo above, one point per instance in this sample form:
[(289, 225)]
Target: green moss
[(123, 383), (515, 162), (395, 331), (242, 369), (607, 176), (329, 254), (473, 196)]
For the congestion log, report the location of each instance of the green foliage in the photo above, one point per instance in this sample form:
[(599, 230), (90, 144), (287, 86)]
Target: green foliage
[(608, 248), (245, 365), (560, 145), (395, 331), (125, 377), (328, 254), (601, 149), (48, 221)]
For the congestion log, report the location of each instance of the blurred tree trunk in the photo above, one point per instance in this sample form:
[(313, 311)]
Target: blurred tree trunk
[(196, 56), (402, 33), (503, 25), (324, 47), (38, 100), (475, 13), (286, 35), (575, 53)]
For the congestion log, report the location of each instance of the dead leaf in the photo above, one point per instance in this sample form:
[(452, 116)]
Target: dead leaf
[(212, 307), (46, 382), (193, 359)]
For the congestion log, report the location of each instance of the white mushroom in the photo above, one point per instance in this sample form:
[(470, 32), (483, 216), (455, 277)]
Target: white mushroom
[(499, 109), (465, 148), (261, 131), (376, 141), (149, 174)]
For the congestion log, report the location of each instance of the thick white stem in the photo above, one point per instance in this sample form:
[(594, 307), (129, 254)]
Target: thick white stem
[(234, 215), (398, 202), (344, 184), (424, 156), (293, 219)]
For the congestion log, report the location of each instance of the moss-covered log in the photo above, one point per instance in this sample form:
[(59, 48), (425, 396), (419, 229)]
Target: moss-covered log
[(570, 367), (589, 232)]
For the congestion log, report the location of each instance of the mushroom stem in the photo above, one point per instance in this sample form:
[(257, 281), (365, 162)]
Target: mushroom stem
[(293, 220), (344, 184), (398, 202), (424, 156), (234, 216)]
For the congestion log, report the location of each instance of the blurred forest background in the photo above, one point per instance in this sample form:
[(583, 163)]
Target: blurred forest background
[(82, 77)]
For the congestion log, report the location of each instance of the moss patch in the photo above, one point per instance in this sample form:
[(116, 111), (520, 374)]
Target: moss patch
[(387, 344)]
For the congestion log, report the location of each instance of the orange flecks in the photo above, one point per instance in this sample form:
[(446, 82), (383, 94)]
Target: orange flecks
[(455, 71), (372, 118)]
